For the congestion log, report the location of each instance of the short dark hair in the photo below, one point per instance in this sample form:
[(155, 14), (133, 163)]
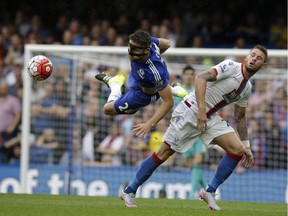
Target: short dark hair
[(142, 38), (188, 67), (263, 49)]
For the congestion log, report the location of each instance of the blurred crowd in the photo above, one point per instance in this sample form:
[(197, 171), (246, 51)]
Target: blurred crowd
[(99, 140)]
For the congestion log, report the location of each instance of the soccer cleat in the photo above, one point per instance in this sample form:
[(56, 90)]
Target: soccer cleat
[(129, 199), (181, 92), (120, 79), (209, 198)]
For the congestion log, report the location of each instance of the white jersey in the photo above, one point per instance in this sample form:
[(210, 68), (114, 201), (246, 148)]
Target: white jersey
[(230, 86)]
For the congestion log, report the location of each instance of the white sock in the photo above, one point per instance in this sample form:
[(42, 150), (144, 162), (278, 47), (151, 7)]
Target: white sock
[(115, 92)]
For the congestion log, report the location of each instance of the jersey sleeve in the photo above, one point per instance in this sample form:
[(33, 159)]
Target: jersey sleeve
[(155, 40), (225, 69), (243, 101), (160, 76)]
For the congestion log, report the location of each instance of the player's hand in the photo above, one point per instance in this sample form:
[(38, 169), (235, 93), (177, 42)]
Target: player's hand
[(248, 158), (201, 120), (141, 129)]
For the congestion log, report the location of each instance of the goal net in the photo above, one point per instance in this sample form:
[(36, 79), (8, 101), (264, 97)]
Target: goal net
[(70, 147)]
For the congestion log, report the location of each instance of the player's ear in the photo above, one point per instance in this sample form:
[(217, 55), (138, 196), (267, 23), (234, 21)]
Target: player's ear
[(264, 65), (146, 51)]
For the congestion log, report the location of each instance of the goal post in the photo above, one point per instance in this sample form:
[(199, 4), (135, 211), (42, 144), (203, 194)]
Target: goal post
[(82, 61)]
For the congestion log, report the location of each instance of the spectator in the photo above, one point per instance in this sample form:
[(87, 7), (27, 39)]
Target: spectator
[(135, 147), (67, 37), (257, 144), (77, 155), (60, 27), (3, 49), (10, 115), (48, 143), (110, 147), (44, 110), (47, 139), (74, 28), (278, 32), (15, 51)]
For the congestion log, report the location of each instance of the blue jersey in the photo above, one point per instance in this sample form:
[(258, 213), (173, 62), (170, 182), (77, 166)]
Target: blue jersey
[(152, 73)]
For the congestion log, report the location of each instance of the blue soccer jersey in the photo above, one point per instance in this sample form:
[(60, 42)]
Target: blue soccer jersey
[(152, 73)]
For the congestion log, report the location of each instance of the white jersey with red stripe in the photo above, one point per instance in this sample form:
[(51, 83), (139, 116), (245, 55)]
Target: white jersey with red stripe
[(230, 86)]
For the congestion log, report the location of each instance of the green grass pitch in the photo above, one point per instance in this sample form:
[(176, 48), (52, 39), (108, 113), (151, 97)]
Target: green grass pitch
[(49, 205)]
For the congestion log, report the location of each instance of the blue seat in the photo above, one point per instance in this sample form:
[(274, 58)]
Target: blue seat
[(41, 155)]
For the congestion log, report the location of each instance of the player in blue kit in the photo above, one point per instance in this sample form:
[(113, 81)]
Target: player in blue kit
[(148, 81)]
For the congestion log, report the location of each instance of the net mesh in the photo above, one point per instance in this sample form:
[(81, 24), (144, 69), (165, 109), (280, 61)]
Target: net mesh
[(90, 153)]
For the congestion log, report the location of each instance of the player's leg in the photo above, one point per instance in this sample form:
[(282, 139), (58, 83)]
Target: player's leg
[(144, 172), (114, 83), (197, 179), (235, 151), (132, 101)]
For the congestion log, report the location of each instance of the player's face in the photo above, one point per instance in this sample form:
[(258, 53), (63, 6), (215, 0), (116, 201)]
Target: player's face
[(188, 77), (255, 60), (137, 52)]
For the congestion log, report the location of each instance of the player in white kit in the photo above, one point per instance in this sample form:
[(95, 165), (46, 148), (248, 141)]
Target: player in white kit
[(196, 116)]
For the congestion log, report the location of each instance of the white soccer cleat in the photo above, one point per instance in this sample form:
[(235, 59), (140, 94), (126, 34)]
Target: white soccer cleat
[(181, 92), (209, 198), (129, 199)]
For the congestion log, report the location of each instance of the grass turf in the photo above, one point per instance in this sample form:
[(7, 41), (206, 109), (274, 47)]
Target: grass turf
[(49, 205)]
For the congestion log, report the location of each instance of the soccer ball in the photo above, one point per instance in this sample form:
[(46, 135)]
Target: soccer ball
[(40, 68)]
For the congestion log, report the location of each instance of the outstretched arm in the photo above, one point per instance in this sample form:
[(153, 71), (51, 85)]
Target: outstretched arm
[(200, 91), (142, 129), (241, 127), (164, 44)]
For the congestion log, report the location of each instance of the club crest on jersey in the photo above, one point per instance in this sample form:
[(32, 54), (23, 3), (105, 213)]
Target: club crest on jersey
[(141, 73)]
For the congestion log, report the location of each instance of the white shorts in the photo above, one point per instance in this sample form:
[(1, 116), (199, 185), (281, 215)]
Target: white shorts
[(182, 131)]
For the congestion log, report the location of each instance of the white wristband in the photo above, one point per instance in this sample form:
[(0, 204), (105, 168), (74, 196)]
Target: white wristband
[(246, 143)]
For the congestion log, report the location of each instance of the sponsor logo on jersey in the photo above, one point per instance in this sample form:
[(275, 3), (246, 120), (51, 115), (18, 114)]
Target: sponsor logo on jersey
[(223, 68), (231, 96)]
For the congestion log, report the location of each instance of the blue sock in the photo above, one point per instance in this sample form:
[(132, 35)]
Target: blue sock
[(224, 170), (145, 170)]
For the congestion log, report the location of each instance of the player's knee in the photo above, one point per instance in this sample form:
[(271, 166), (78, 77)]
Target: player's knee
[(239, 150), (109, 110), (164, 152)]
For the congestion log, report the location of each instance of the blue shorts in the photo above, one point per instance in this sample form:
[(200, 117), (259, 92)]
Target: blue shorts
[(133, 100)]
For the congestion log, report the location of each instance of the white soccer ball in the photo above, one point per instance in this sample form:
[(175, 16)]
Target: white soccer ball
[(40, 68)]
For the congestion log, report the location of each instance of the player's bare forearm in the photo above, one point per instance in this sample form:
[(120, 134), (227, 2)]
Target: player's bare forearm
[(142, 129), (200, 86), (164, 108), (240, 121), (164, 44), (200, 91)]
